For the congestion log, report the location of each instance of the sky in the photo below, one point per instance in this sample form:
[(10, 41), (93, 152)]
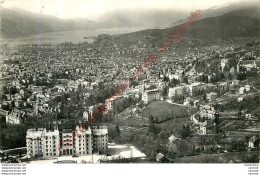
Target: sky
[(93, 9)]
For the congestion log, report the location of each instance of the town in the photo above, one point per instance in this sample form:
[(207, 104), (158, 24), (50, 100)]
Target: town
[(106, 101)]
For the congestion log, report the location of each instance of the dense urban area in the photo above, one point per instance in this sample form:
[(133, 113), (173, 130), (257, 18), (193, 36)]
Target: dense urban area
[(195, 101), (198, 103)]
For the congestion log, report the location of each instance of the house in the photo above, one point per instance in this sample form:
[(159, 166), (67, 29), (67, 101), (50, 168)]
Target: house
[(241, 90), (247, 88), (201, 130), (194, 88), (251, 117), (248, 64), (172, 138), (176, 91), (247, 116), (18, 103), (186, 103), (150, 95), (85, 115), (161, 158), (223, 63), (251, 142), (240, 99), (13, 118)]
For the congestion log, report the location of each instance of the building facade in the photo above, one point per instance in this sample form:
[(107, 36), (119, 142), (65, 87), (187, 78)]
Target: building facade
[(150, 95), (100, 139), (42, 143), (78, 142)]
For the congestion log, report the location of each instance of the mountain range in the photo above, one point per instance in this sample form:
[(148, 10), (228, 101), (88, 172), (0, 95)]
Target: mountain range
[(239, 19)]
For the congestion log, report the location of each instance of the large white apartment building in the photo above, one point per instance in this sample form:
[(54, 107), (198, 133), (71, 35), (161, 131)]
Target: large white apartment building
[(150, 95), (78, 142), (42, 143), (100, 139)]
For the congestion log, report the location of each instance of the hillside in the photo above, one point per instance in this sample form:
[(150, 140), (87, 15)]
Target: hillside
[(220, 10), (19, 23), (238, 23)]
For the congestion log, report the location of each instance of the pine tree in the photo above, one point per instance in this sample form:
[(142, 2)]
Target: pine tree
[(117, 130)]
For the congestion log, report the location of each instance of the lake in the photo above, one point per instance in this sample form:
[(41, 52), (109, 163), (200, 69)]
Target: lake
[(76, 36)]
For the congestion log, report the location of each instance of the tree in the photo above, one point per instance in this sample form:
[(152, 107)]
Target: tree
[(174, 82), (217, 122), (3, 123), (163, 135), (3, 156), (186, 132), (151, 119), (178, 99), (204, 96), (185, 80), (5, 90), (117, 131), (3, 97), (166, 79), (165, 91), (13, 90), (152, 129)]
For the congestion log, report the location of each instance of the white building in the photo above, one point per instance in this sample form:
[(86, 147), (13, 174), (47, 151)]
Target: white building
[(42, 143), (201, 130), (176, 91), (13, 118), (150, 95), (100, 139), (251, 142), (241, 90), (78, 142), (83, 141)]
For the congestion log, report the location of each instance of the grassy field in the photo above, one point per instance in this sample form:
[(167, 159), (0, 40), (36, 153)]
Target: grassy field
[(162, 110)]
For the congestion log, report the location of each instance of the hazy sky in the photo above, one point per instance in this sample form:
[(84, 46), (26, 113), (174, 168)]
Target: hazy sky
[(92, 9)]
